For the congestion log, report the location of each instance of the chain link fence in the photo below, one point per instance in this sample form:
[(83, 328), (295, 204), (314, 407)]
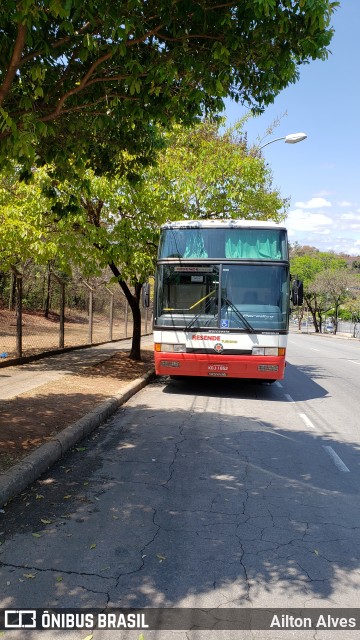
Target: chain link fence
[(351, 328), (41, 311)]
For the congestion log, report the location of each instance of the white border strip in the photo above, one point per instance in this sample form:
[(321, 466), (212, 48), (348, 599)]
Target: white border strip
[(336, 459), (289, 398), (306, 420)]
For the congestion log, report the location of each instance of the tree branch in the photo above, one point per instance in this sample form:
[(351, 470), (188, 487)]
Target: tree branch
[(59, 43), (85, 82), (223, 5), (14, 62), (187, 36), (55, 114)]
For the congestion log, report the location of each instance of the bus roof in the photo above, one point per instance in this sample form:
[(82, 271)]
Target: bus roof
[(222, 224)]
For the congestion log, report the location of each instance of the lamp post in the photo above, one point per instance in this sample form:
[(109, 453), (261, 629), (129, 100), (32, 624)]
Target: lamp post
[(291, 138)]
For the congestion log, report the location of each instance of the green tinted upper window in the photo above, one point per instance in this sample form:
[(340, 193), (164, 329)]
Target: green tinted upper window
[(218, 243)]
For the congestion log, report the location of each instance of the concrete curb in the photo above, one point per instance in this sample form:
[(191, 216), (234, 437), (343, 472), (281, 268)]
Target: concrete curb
[(39, 461)]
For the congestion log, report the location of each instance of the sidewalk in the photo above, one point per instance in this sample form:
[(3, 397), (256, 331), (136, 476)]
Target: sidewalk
[(49, 405)]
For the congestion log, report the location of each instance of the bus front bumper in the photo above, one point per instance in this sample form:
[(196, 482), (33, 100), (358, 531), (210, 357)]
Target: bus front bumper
[(220, 366)]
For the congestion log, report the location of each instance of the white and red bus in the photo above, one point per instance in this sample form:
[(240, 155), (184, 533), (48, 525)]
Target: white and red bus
[(222, 299)]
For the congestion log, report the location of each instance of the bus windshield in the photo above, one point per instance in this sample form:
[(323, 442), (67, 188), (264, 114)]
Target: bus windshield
[(229, 243), (239, 297)]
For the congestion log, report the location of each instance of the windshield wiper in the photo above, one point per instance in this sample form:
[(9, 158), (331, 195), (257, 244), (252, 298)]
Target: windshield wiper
[(210, 296), (238, 313)]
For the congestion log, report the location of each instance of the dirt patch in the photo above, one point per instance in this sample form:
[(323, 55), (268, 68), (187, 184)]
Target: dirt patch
[(32, 418)]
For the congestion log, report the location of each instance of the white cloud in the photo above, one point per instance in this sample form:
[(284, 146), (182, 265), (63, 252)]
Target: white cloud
[(319, 223), (304, 221), (313, 203), (350, 216), (344, 203), (354, 250)]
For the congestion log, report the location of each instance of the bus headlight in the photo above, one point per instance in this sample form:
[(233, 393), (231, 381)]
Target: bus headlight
[(165, 347), (268, 351)]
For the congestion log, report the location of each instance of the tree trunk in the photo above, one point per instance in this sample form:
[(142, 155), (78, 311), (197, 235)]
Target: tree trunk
[(134, 302), (314, 316)]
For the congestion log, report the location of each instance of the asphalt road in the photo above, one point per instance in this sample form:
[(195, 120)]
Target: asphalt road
[(212, 493)]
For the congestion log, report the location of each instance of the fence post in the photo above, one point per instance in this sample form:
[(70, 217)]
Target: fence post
[(61, 311), (91, 307), (18, 286), (111, 314), (62, 315), (126, 317), (146, 319)]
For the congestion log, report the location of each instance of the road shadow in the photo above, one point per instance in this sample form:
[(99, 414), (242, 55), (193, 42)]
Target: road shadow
[(303, 380), (166, 507)]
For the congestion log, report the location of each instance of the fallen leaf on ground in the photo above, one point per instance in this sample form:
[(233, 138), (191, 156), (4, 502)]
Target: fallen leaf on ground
[(160, 556)]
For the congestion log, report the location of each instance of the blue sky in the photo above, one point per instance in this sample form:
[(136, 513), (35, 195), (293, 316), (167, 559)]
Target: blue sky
[(321, 175)]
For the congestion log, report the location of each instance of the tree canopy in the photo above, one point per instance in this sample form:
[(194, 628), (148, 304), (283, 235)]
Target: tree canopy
[(326, 278), (214, 174), (82, 81), (25, 223), (100, 221)]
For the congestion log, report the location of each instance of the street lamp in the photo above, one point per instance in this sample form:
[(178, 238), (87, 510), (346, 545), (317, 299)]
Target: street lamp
[(291, 138)]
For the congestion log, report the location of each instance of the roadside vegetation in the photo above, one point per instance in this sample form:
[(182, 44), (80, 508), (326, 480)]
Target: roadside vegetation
[(109, 124), (331, 286)]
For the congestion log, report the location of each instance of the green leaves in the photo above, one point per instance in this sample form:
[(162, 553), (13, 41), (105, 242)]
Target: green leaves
[(149, 63), (213, 174), (328, 282), (24, 219)]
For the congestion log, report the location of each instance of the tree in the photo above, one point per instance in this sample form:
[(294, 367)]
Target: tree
[(98, 221), (81, 81), (307, 268), (333, 286), (213, 173), (102, 222), (116, 222), (297, 250), (356, 265), (353, 309), (24, 220)]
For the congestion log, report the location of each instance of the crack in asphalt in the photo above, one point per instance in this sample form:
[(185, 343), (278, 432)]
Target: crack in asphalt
[(26, 567)]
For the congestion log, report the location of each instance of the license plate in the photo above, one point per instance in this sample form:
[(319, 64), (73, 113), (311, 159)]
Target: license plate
[(218, 367)]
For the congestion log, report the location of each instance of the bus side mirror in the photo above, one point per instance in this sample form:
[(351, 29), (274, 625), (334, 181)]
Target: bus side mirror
[(145, 295), (297, 292)]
